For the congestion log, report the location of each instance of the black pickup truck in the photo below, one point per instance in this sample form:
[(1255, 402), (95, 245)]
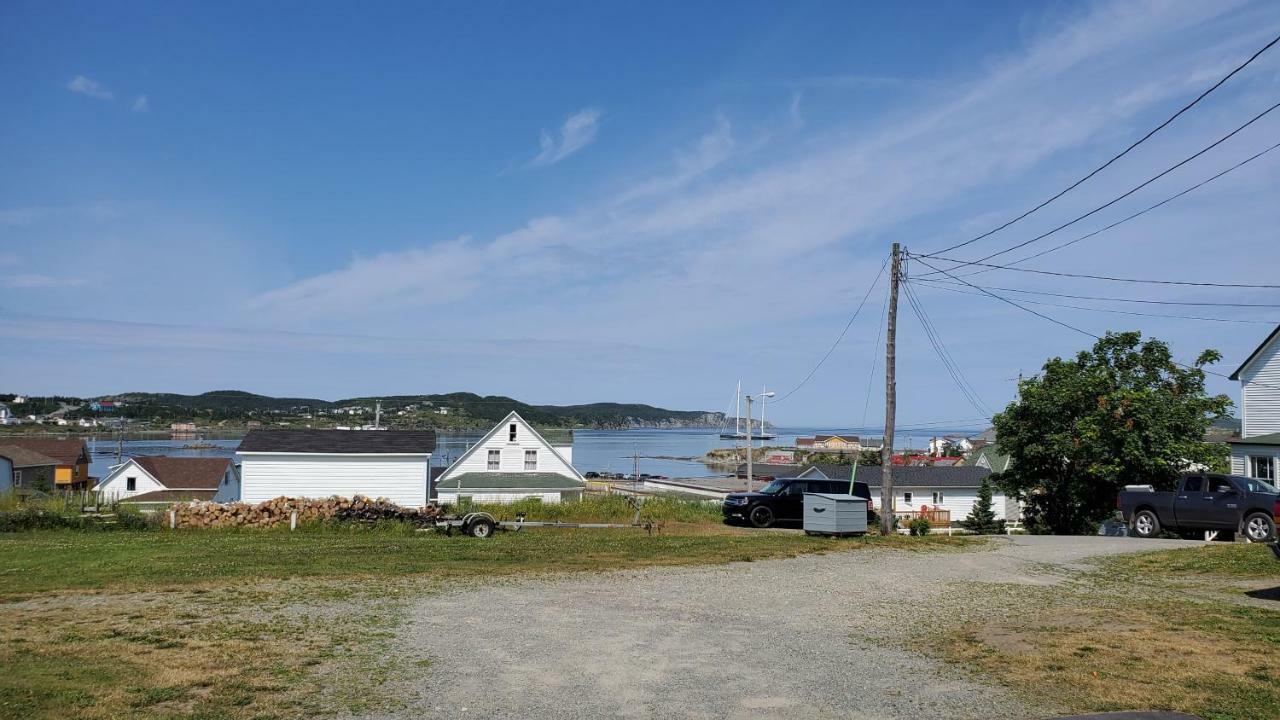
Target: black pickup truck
[(1204, 501)]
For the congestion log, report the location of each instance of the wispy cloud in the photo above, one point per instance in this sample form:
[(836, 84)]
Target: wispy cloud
[(578, 131), (92, 88), (141, 104), (33, 280)]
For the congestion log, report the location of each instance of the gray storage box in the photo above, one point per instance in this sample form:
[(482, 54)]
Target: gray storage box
[(830, 514)]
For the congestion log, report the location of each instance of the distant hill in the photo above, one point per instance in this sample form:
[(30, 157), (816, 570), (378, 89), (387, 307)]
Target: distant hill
[(464, 409)]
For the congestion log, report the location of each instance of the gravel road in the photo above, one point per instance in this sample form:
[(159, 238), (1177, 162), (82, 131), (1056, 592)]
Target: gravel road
[(804, 637)]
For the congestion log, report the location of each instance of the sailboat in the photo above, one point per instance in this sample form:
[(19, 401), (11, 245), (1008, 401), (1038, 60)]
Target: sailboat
[(738, 434)]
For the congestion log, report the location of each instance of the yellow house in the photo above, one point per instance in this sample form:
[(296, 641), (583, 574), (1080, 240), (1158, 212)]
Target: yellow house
[(848, 443), (72, 470)]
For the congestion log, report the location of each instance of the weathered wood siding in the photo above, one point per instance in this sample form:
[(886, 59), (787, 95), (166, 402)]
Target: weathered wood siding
[(400, 479), (1260, 393)]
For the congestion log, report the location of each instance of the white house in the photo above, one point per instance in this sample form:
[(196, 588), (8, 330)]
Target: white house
[(914, 487), (5, 416), (391, 464), (512, 462), (171, 479), (1256, 453)]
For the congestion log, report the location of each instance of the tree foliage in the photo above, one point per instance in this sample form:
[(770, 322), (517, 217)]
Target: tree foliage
[(1120, 413), (982, 518)]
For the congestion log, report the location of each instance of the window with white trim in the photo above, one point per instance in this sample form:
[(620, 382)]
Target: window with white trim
[(906, 498), (530, 459), (938, 498), (131, 484), (1262, 467), (511, 433), (495, 460)]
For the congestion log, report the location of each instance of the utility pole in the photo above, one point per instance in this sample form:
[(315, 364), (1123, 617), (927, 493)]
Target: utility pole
[(377, 416), (748, 443), (890, 396)]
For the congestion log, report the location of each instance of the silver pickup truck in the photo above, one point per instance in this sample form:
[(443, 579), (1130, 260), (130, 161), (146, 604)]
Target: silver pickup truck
[(1205, 501)]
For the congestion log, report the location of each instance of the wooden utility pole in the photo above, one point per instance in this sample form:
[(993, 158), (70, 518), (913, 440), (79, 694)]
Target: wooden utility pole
[(890, 396)]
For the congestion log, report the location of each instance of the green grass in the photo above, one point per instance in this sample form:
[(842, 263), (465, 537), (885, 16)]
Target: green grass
[(1167, 630), (610, 508)]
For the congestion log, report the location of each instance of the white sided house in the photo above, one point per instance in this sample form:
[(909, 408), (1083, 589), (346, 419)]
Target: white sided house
[(954, 489), (391, 464), (164, 479), (1256, 453), (512, 462)]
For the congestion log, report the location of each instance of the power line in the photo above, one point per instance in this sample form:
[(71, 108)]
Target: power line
[(1144, 211), (1124, 152), (838, 337), (948, 362), (1106, 299), (1073, 328), (1124, 312), (1118, 198), (875, 359), (961, 263)]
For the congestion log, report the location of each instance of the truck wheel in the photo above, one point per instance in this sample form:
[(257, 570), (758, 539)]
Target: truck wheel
[(1259, 528), (761, 517), (480, 528), (1146, 524)]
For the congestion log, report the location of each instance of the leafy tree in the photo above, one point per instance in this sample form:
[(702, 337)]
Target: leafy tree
[(982, 518), (1120, 413)]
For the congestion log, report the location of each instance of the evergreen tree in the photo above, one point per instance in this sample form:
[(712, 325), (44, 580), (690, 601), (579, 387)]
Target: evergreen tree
[(982, 518)]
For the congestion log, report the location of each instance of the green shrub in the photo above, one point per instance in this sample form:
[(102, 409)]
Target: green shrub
[(919, 526)]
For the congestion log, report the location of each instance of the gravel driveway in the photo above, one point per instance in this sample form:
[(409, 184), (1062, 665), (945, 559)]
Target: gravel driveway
[(804, 637)]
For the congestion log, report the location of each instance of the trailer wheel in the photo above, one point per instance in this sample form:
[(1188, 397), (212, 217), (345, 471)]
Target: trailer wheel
[(480, 528), (1258, 527), (1146, 524)]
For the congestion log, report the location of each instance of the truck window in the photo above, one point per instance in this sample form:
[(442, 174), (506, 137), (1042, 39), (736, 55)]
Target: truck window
[(1220, 485), (1192, 484)]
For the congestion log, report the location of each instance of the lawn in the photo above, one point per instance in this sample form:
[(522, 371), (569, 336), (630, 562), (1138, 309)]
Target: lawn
[(273, 624), (1193, 630)]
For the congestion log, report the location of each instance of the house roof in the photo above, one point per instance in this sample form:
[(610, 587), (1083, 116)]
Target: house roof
[(340, 442), (1271, 439), (186, 473), (65, 452), (510, 481), (770, 470), (513, 415), (24, 458), (1236, 375), (998, 461), (171, 496), (908, 475)]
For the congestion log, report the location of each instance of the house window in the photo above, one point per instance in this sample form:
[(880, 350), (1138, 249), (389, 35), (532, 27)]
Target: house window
[(17, 478), (530, 459), (511, 433), (906, 498), (937, 498), (1262, 467), (495, 459), (131, 484)]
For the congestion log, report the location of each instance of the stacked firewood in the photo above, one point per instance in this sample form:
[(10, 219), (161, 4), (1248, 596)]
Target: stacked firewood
[(280, 511)]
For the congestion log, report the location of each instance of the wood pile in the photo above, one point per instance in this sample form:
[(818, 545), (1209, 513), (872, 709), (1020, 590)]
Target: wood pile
[(279, 511)]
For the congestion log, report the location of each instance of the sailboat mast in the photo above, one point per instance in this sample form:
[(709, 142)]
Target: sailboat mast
[(737, 410), (764, 400)]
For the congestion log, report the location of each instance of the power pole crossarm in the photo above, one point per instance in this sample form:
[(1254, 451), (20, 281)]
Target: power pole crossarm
[(890, 396)]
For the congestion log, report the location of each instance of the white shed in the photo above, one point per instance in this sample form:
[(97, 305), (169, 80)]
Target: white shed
[(511, 462), (391, 464)]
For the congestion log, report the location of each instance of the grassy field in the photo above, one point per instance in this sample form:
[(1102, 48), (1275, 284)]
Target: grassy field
[(273, 624), (1194, 630)]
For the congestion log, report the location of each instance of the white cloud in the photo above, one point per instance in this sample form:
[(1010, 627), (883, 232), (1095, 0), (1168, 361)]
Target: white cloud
[(577, 132), (33, 281), (92, 88), (141, 104)]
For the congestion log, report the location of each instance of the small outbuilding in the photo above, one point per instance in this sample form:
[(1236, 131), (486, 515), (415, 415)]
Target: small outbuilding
[(163, 479), (391, 464)]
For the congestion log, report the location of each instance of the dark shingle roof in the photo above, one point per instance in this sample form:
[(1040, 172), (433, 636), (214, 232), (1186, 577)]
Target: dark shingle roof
[(1269, 439), (909, 476), (510, 481), (66, 452), (185, 472), (417, 442), (24, 458), (171, 496)]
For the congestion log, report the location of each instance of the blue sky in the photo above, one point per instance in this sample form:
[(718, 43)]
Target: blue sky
[(602, 201)]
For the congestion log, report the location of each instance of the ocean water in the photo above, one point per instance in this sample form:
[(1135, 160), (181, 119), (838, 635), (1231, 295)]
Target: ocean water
[(660, 451)]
